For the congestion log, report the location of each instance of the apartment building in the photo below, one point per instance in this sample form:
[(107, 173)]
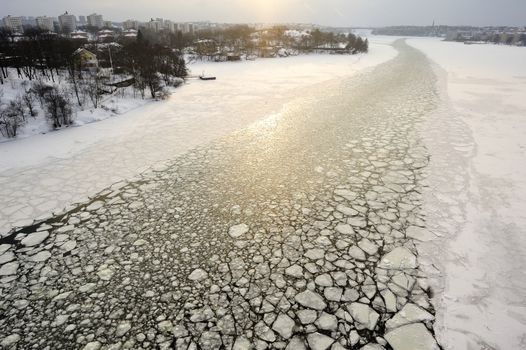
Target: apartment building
[(95, 20), (130, 24), (45, 23), (13, 23), (68, 22)]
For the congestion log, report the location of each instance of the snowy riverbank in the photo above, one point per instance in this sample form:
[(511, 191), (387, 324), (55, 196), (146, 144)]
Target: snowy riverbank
[(45, 173), (477, 194), (109, 106)]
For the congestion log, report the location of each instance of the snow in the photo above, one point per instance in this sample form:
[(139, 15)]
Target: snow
[(45, 173), (293, 33), (478, 144), (111, 106)]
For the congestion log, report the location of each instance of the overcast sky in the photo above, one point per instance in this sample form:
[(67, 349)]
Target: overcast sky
[(325, 12)]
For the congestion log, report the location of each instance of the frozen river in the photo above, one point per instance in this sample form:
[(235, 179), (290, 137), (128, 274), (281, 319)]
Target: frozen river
[(295, 232), (375, 208)]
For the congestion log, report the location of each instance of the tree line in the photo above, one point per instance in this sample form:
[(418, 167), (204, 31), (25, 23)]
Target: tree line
[(246, 40)]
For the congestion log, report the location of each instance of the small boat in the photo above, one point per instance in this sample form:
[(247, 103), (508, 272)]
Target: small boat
[(207, 78)]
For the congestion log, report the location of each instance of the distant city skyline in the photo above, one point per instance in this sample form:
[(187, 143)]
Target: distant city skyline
[(364, 13)]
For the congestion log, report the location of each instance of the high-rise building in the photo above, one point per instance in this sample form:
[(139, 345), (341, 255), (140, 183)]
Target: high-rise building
[(45, 23), (154, 25), (68, 23), (130, 24), (188, 28), (95, 20), (14, 24), (82, 20), (169, 25)]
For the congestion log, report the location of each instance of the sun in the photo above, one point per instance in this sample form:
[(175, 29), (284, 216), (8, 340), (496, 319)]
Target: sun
[(265, 10)]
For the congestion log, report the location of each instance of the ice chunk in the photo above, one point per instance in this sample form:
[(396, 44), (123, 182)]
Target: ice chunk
[(364, 315), (198, 275), (410, 313), (399, 258), (319, 341), (311, 300), (35, 238), (411, 337), (237, 231), (284, 325)]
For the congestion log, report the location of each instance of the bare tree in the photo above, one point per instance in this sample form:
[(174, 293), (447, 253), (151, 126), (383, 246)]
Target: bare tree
[(29, 101), (17, 106), (92, 87), (11, 119), (40, 89), (58, 108)]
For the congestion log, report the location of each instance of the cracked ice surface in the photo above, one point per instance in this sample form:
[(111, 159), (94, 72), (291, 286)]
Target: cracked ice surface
[(289, 234), (44, 174)]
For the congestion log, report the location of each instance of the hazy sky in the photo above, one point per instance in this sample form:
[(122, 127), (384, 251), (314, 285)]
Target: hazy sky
[(325, 12)]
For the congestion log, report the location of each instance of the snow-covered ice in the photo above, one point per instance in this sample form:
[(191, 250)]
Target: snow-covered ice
[(477, 198)]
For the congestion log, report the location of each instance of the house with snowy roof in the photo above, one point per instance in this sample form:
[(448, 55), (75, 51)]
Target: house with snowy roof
[(85, 59)]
